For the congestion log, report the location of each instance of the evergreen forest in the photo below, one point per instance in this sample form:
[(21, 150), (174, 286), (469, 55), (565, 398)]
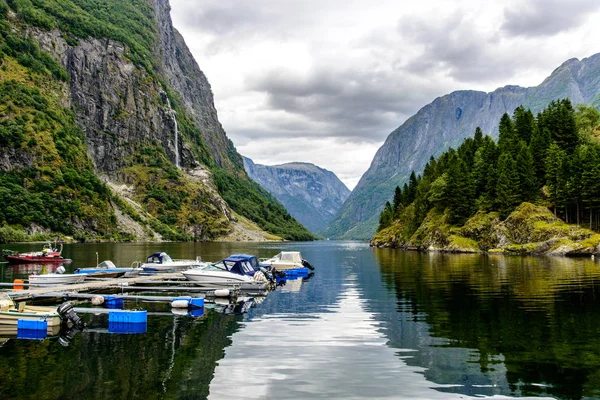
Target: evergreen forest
[(552, 159)]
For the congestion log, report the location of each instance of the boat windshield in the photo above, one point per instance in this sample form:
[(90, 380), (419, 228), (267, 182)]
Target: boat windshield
[(219, 266), (106, 265), (292, 256)]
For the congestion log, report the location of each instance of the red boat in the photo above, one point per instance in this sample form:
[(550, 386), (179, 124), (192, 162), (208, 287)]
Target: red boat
[(47, 255)]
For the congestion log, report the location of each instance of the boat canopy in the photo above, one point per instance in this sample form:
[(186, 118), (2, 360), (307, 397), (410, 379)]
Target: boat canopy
[(253, 260), (293, 256), (235, 265), (159, 258)]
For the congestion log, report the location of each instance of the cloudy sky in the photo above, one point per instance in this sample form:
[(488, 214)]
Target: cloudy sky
[(326, 81)]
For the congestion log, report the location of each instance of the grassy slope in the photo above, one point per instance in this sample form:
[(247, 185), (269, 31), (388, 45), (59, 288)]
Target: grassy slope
[(528, 229)]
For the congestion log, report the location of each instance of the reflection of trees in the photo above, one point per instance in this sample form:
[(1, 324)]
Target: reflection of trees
[(98, 365), (541, 315)]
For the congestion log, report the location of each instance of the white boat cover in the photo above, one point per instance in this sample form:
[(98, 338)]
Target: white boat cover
[(291, 256)]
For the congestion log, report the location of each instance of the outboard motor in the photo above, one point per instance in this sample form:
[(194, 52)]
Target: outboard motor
[(307, 265), (267, 273), (67, 337), (68, 313)]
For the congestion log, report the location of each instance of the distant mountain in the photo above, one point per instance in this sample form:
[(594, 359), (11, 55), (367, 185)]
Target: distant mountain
[(311, 194), (445, 123)]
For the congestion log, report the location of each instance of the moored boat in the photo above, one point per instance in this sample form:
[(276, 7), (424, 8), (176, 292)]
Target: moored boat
[(161, 262), (47, 255), (55, 279), (287, 260), (107, 269), (11, 314), (231, 271)]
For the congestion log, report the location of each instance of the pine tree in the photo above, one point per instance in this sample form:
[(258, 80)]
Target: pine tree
[(412, 188), (590, 181), (508, 141), (459, 192), (507, 185), (555, 178), (559, 119), (527, 180), (524, 123), (405, 201), (386, 216), (397, 201), (539, 143)]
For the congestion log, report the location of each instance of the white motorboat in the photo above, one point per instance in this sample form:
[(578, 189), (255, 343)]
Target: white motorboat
[(230, 271), (55, 279), (286, 260), (161, 262)]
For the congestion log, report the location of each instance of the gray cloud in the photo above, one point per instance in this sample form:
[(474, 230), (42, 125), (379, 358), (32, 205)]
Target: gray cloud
[(546, 17), (325, 72), (365, 105), (456, 45), (222, 17)]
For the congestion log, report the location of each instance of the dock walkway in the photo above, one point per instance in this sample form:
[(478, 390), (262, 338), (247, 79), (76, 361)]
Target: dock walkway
[(116, 283)]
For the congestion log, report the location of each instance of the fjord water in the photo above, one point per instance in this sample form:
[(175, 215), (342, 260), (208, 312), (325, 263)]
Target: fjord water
[(371, 323)]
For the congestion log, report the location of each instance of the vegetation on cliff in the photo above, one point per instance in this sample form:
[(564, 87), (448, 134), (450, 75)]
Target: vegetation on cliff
[(50, 184), (552, 160)]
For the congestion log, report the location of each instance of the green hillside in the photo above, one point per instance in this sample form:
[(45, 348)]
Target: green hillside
[(49, 183)]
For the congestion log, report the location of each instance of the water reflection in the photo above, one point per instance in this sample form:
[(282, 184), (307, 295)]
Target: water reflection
[(369, 324), (531, 322)]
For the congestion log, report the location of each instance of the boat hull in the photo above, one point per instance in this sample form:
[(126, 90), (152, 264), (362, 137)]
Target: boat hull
[(218, 279), (12, 317), (35, 260), (283, 265), (55, 279)]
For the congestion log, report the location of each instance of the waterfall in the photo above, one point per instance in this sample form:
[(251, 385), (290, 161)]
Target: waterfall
[(173, 114)]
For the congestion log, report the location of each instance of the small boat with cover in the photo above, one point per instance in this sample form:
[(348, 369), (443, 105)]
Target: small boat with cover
[(231, 271), (287, 260), (161, 262)]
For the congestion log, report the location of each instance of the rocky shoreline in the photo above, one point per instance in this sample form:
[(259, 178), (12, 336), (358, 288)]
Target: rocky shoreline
[(529, 230)]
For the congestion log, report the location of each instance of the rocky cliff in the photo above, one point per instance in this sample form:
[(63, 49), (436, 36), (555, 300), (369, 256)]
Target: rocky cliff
[(311, 194), (138, 113), (445, 123)]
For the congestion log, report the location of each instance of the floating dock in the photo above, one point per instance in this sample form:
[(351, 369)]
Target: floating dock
[(166, 282)]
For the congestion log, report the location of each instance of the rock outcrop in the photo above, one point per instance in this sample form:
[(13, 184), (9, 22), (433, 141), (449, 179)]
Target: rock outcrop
[(530, 229)]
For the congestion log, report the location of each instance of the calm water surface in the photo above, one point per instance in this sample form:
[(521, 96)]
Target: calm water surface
[(371, 323)]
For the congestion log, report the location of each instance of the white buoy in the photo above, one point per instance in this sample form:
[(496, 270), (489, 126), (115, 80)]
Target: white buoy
[(60, 270), (222, 293), (180, 303), (97, 300), (179, 311)]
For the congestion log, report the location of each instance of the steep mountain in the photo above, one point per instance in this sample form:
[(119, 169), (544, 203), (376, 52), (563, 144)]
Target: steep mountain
[(109, 130), (311, 194), (445, 123)]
